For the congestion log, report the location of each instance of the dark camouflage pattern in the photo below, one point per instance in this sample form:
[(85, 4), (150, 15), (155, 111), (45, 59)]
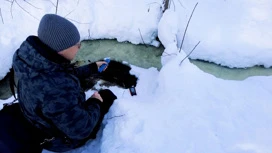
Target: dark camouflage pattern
[(51, 97)]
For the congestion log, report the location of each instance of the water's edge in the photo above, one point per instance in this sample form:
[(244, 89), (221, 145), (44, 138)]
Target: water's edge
[(146, 57)]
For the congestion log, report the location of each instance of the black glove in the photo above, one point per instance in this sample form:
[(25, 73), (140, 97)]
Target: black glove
[(108, 98)]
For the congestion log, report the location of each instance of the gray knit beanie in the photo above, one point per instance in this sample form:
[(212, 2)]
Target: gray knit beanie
[(57, 32)]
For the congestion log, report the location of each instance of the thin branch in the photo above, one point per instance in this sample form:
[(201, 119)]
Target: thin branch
[(89, 37), (167, 54), (69, 13), (173, 4), (11, 5), (181, 4), (115, 116), (77, 21), (32, 5), (189, 53), (72, 10), (51, 2), (123, 93), (142, 37), (187, 26), (1, 16), (154, 3), (57, 5), (25, 10), (166, 5)]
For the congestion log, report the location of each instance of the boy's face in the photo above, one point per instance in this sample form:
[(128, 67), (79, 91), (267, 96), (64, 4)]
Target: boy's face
[(70, 53)]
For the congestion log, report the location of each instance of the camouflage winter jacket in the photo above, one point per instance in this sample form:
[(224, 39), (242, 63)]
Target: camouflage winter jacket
[(51, 97)]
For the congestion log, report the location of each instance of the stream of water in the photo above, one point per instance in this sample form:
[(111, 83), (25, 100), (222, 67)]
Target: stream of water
[(149, 56), (146, 57)]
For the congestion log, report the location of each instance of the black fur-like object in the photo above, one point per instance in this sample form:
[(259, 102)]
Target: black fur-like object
[(117, 73)]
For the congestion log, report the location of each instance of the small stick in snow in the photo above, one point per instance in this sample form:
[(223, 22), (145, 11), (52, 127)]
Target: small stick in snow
[(51, 2), (189, 53), (1, 16), (154, 3), (32, 5), (174, 5), (69, 13), (115, 116), (142, 37), (187, 26), (57, 5), (24, 9), (166, 5), (89, 34), (170, 3), (11, 5), (181, 4), (77, 21), (167, 54)]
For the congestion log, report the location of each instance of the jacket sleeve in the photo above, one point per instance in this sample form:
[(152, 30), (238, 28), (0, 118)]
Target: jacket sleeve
[(70, 115), (85, 71)]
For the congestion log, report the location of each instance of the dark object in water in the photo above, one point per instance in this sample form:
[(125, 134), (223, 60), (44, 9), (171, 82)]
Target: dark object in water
[(117, 73)]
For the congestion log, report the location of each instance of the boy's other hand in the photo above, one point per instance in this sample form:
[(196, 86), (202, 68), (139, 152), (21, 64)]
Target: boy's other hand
[(99, 63), (97, 96)]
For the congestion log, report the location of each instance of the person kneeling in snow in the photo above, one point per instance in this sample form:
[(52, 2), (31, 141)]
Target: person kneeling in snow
[(49, 91)]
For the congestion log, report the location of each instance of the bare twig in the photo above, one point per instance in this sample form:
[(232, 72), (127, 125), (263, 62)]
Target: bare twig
[(57, 5), (174, 5), (142, 37), (32, 5), (123, 92), (115, 116), (170, 3), (89, 34), (166, 5), (77, 21), (11, 5), (187, 26), (25, 10), (189, 53), (181, 4), (167, 54), (1, 16), (72, 10), (154, 3), (51, 2), (69, 13)]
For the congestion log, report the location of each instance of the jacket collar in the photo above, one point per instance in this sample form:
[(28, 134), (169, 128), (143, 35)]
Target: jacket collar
[(46, 51)]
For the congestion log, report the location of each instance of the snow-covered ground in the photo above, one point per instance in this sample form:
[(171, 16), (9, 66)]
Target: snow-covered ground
[(179, 108)]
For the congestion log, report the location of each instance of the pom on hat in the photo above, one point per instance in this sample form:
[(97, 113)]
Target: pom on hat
[(57, 32)]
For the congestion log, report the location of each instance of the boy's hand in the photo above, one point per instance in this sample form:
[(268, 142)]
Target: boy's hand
[(97, 96), (99, 63)]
